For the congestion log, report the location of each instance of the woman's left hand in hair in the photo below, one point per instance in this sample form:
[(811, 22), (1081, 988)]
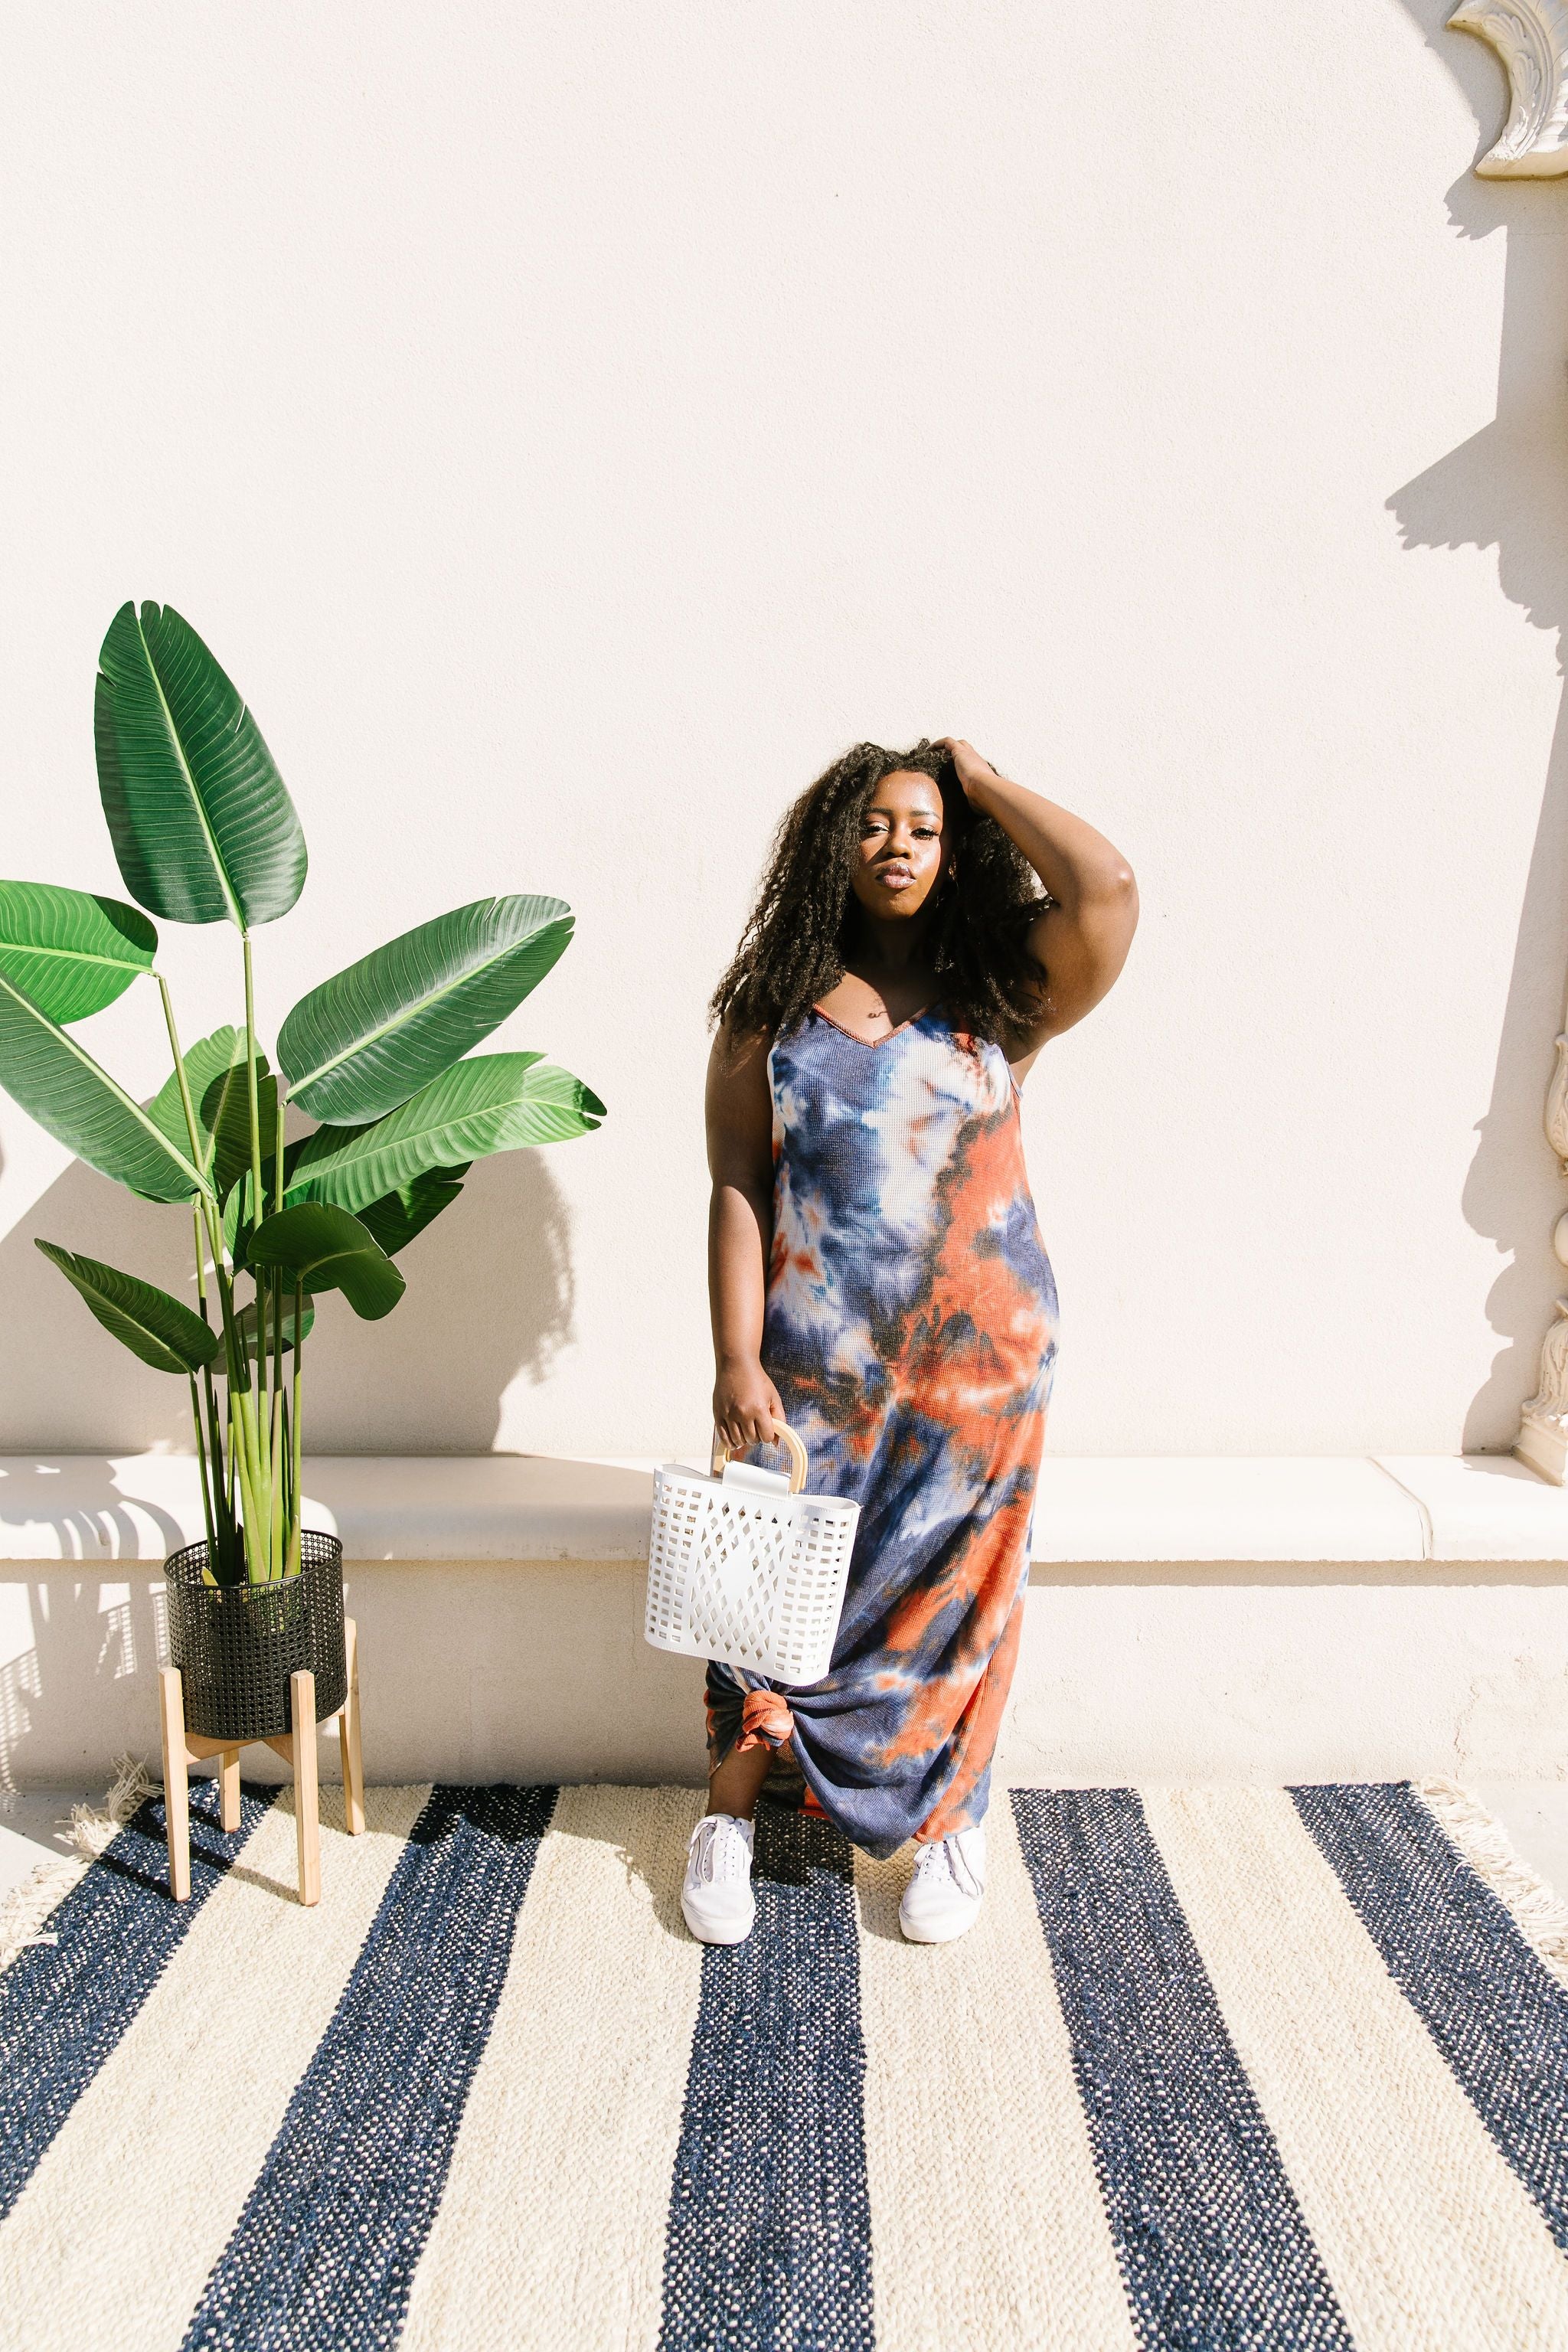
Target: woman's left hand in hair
[(972, 769), (1081, 937)]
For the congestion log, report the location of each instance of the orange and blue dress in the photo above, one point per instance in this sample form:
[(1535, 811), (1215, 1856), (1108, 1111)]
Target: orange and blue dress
[(910, 1330)]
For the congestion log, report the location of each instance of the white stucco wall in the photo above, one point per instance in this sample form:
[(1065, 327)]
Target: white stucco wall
[(572, 425)]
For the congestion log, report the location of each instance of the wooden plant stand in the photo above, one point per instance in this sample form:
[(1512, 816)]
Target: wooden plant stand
[(182, 1748)]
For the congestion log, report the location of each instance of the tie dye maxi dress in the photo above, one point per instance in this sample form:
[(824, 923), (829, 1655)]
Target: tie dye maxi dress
[(910, 1331)]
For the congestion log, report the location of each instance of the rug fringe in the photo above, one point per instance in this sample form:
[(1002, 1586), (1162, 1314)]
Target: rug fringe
[(1538, 1911), (91, 1831), (25, 1911)]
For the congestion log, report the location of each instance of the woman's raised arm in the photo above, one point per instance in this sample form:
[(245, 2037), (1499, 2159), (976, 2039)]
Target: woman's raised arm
[(1080, 943), (739, 1112)]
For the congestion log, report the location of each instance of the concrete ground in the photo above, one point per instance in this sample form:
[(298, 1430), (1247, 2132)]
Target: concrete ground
[(35, 1824), (1535, 1815)]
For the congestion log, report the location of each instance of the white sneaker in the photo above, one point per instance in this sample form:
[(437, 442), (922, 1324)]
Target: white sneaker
[(943, 1898), (717, 1896)]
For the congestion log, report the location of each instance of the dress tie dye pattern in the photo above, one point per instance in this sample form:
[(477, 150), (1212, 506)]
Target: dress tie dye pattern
[(910, 1331)]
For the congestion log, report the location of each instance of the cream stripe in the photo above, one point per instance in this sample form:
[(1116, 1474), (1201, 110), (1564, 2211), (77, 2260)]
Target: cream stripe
[(986, 2222), (113, 2237), (1430, 2240), (559, 2186)]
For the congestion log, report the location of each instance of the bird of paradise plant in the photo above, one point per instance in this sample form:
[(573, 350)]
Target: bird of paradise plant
[(205, 831)]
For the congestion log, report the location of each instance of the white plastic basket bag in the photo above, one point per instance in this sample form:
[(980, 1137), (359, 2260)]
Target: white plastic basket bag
[(747, 1567)]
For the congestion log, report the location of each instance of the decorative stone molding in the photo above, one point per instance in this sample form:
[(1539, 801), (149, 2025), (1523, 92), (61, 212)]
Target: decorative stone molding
[(1542, 1440), (1530, 37), (1557, 1107)]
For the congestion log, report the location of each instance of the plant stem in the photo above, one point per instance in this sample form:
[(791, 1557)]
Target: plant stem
[(251, 1082), (244, 1457), (280, 1460), (244, 1405), (243, 1431), (211, 1471), (221, 1514), (260, 1545), (295, 1446), (222, 1486), (185, 1103), (206, 1495)]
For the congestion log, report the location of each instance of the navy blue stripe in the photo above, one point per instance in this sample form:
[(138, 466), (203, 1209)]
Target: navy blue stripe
[(1213, 2249), (769, 2237), (323, 2255), (64, 2006), (1496, 2013)]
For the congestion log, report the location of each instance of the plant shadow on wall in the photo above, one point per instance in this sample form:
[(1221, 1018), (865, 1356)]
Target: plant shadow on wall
[(489, 1300), (487, 1304), (1506, 487)]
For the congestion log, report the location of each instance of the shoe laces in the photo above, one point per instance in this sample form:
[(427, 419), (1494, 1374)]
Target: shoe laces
[(720, 1850), (944, 1858)]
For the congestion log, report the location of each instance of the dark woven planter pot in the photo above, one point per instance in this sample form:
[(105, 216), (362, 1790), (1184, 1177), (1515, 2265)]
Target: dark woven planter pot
[(235, 1645)]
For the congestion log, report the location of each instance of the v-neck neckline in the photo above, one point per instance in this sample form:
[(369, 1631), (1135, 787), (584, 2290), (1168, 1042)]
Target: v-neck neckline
[(871, 1044)]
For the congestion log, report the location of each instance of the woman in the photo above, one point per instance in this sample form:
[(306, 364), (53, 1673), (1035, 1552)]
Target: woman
[(877, 1280)]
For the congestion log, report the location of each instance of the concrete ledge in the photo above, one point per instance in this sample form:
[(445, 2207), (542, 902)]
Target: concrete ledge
[(1482, 1505), (1270, 1619), (95, 1508), (478, 1670), (1204, 1511), (1206, 1508)]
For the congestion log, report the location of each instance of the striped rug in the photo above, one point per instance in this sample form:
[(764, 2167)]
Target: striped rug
[(1221, 2067)]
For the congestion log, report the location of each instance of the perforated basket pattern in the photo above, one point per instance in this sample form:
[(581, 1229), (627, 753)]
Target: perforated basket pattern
[(753, 1579), (236, 1644)]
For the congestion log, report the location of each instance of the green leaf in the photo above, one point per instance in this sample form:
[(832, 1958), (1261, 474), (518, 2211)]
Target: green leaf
[(246, 1321), (224, 1112), (238, 1220), (496, 1102), (328, 1250), (70, 952), (162, 1330), (220, 1097), (66, 1092), (372, 1035), (201, 820), (397, 1217)]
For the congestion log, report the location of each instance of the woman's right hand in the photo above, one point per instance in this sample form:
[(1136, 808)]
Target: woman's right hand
[(746, 1407)]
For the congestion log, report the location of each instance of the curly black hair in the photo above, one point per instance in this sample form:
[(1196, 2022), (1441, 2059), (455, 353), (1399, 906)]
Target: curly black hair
[(793, 948)]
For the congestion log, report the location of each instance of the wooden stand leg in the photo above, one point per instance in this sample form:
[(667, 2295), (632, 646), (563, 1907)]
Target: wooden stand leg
[(297, 1747), (348, 1739), (176, 1782), (302, 1693)]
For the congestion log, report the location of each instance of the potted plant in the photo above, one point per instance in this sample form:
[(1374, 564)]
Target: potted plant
[(380, 1055)]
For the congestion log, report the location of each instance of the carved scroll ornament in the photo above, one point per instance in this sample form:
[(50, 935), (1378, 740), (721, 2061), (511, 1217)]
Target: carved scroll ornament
[(1556, 1120), (1530, 37), (1550, 1403)]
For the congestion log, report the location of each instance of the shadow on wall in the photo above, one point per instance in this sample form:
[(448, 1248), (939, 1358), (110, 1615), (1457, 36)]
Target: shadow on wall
[(89, 1659), (1507, 486), (490, 1299), (87, 1636)]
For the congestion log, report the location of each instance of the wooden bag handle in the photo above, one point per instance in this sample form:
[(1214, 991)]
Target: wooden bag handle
[(783, 1436)]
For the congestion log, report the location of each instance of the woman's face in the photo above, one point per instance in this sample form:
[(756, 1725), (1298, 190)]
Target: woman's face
[(904, 846)]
